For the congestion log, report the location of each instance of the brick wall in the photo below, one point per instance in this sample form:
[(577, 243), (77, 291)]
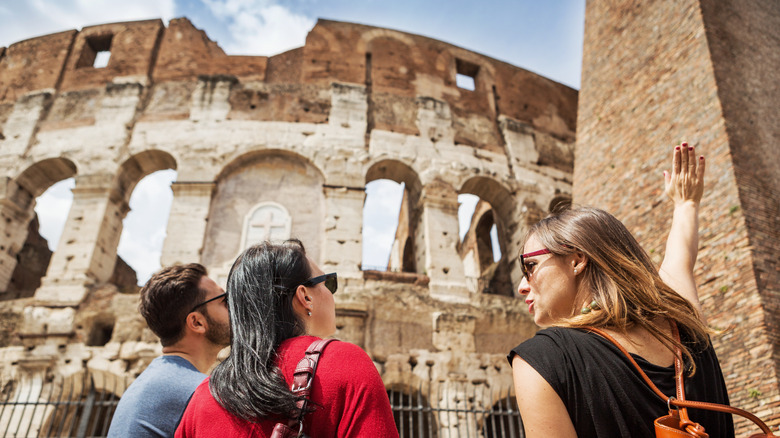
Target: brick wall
[(33, 64), (657, 73)]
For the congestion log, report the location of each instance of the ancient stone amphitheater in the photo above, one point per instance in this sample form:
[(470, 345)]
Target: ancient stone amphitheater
[(285, 145), (276, 147)]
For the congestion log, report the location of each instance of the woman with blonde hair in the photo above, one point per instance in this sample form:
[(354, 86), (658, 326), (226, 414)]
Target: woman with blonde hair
[(583, 268)]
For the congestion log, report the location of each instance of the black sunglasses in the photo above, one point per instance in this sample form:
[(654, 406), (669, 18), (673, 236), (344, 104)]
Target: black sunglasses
[(210, 300), (331, 282)]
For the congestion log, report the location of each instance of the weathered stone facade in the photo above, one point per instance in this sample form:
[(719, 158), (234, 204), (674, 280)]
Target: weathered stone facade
[(704, 71), (298, 134)]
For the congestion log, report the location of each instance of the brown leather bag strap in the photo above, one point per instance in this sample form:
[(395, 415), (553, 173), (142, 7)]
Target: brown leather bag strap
[(303, 378), (681, 403)]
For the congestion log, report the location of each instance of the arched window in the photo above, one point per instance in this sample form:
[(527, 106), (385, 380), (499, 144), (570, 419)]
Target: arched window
[(383, 215), (143, 229), (480, 247), (266, 221)]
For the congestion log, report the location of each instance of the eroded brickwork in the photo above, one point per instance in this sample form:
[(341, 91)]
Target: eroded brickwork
[(655, 74)]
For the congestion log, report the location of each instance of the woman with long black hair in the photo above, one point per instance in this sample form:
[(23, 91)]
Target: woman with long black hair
[(280, 302)]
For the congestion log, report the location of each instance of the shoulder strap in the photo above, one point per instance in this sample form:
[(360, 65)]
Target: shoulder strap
[(304, 376), (680, 401)]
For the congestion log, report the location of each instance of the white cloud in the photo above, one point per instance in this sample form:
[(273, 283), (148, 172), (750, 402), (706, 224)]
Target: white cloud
[(31, 18), (260, 27)]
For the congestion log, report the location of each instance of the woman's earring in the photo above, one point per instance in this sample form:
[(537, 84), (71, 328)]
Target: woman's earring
[(590, 307), (308, 312), (575, 271)]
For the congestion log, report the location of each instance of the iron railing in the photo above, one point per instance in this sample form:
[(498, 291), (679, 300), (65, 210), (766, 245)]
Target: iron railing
[(458, 411), (78, 408), (74, 407)]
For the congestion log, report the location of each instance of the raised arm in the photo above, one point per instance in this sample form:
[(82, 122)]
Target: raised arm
[(684, 185)]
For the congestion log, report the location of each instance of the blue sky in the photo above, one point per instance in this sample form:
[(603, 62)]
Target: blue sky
[(543, 36)]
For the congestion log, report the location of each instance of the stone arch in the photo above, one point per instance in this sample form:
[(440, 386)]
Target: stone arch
[(45, 173), (499, 197), (128, 175), (17, 203), (364, 44), (91, 235), (239, 160), (281, 177), (135, 168), (397, 171), (404, 252), (496, 207)]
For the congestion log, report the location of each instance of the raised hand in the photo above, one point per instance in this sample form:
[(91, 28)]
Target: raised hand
[(686, 181)]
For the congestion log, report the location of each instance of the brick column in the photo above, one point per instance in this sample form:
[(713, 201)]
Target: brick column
[(706, 72), (187, 222)]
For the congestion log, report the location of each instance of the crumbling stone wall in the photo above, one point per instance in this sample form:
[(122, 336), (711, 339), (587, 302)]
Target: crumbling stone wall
[(300, 133), (655, 74)]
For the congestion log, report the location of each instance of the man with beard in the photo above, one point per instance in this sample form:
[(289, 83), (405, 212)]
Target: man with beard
[(188, 312)]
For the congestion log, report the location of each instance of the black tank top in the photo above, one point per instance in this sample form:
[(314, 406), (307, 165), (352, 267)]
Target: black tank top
[(604, 394)]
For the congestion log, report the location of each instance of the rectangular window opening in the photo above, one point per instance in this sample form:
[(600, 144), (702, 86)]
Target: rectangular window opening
[(96, 52), (466, 75)]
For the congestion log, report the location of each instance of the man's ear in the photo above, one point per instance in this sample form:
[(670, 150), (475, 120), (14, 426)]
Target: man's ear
[(196, 322)]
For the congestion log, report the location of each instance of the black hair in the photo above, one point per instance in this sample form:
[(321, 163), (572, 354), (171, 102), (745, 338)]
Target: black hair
[(261, 286)]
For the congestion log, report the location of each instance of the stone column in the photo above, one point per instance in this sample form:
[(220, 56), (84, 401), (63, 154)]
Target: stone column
[(343, 246), (86, 253), (439, 225), (187, 222), (16, 211)]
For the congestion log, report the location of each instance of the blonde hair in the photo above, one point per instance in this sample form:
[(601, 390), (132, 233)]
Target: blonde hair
[(619, 276)]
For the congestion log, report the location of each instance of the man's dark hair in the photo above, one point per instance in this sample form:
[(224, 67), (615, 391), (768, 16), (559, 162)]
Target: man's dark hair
[(168, 297)]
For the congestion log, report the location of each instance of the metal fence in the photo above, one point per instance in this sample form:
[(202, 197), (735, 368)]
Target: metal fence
[(77, 407), (457, 411), (73, 407)]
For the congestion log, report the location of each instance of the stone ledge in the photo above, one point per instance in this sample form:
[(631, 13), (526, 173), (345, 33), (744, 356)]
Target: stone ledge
[(397, 277)]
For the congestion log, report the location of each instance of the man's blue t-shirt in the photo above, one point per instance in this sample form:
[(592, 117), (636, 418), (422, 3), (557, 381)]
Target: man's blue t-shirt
[(155, 401)]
